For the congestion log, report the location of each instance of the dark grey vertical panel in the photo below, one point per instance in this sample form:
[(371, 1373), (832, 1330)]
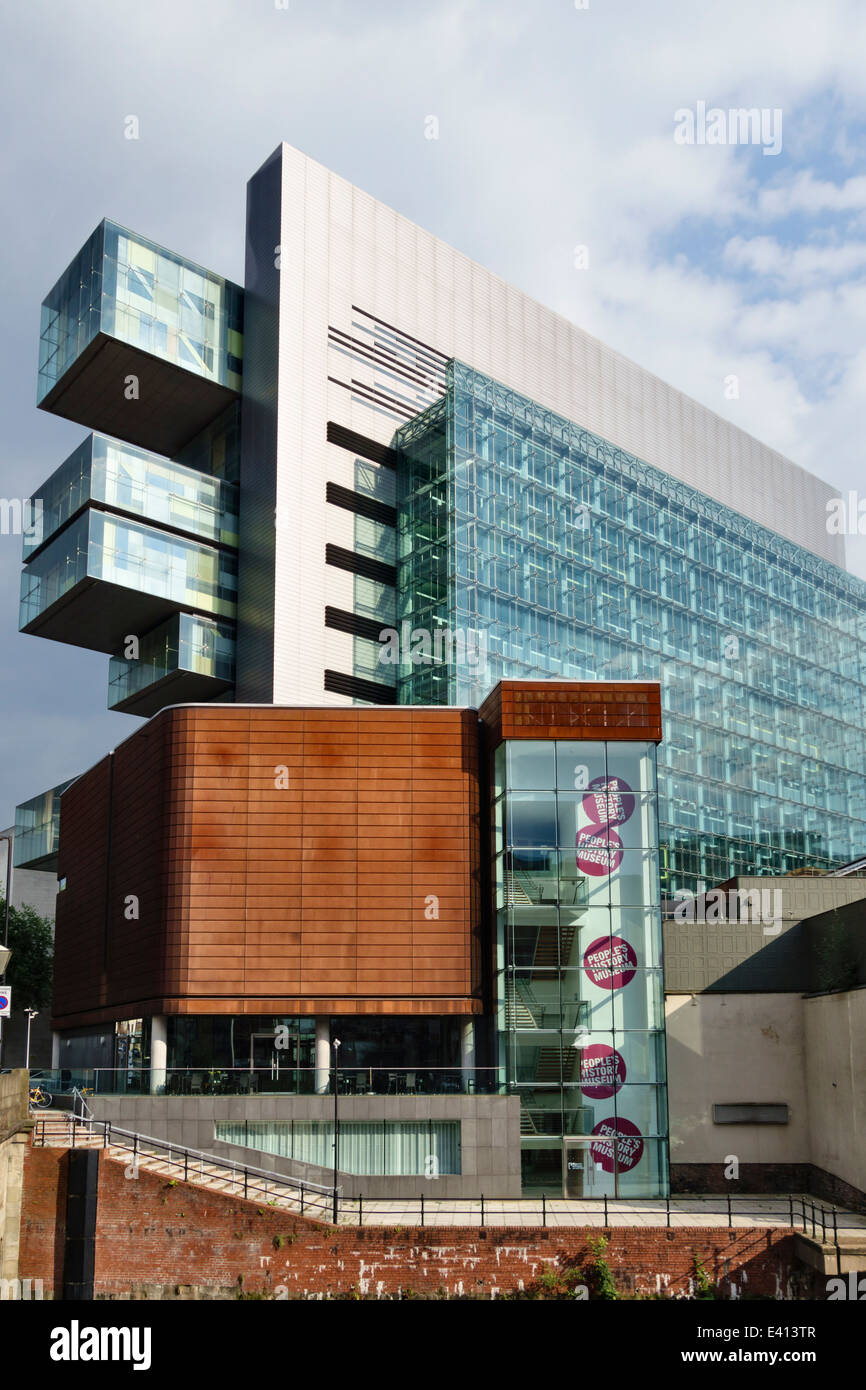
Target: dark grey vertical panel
[(81, 1203), (255, 650)]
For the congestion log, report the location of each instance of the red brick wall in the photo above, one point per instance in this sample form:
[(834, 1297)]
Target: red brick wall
[(153, 1238), (43, 1218)]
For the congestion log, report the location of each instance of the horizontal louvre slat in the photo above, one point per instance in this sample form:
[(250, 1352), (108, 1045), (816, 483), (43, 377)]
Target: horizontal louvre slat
[(358, 689), (341, 621), (360, 564), (360, 505), (360, 444)]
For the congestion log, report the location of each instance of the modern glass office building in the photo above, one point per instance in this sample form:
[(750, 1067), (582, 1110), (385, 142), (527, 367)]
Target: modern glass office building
[(374, 474), (577, 560)]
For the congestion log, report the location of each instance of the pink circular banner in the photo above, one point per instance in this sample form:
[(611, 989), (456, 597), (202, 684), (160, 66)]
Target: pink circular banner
[(602, 1071), (609, 801), (599, 852), (610, 962), (628, 1140)]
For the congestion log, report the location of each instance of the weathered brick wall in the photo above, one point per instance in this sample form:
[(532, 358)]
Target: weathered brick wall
[(43, 1218), (159, 1240)]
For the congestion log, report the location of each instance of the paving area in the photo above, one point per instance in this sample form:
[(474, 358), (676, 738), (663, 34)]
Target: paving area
[(745, 1212), (218, 1176)]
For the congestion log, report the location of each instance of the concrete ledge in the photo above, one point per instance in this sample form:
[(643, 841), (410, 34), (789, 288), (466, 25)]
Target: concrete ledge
[(849, 1256), (489, 1129)]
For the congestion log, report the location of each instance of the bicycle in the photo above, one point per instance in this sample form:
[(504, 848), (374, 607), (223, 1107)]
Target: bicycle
[(39, 1099)]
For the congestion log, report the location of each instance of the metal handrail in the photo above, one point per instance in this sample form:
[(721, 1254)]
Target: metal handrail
[(86, 1112), (495, 1211), (804, 1213), (143, 1142)]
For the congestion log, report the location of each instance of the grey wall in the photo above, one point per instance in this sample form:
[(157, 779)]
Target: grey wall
[(489, 1126), (835, 1036), (806, 1053), (255, 639), (733, 957), (728, 1048)]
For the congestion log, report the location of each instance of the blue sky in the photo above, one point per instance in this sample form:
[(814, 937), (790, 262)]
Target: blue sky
[(555, 131)]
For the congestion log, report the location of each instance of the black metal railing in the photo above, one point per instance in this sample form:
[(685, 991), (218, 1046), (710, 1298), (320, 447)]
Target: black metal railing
[(801, 1212), (257, 1184), (279, 1077)]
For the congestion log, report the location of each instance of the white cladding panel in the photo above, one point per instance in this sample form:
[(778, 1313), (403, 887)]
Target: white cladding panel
[(341, 248)]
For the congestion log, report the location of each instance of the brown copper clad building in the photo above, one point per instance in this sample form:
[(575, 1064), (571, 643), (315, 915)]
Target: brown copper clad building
[(234, 860), (231, 860), (230, 871)]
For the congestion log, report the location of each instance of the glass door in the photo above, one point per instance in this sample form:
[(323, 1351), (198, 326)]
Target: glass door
[(271, 1067), (583, 1175)]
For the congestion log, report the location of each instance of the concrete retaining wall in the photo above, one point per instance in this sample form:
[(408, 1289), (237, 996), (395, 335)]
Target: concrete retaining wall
[(489, 1130)]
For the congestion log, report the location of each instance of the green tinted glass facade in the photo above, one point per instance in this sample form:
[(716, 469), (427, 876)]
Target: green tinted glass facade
[(185, 642), (130, 288), (103, 470), (37, 829), (100, 546), (578, 980), (577, 560)]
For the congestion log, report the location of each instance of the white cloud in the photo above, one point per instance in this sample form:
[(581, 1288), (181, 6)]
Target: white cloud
[(556, 129), (806, 193), (766, 256)]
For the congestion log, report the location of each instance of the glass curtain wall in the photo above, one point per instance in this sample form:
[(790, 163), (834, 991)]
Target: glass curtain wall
[(101, 546), (37, 827), (375, 1148), (579, 994), (185, 642), (577, 560), (72, 313), (172, 308), (134, 480), (132, 289)]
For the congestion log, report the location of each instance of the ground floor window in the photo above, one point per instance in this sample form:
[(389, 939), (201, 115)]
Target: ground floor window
[(386, 1148)]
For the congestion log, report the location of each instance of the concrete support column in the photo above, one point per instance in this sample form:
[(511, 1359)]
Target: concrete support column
[(158, 1053), (323, 1055), (11, 1196), (467, 1054), (55, 1051)]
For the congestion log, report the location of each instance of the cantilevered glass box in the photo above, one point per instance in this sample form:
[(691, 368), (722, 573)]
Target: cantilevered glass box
[(138, 342)]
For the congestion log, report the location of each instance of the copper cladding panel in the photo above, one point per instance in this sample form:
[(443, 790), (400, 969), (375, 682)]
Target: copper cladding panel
[(283, 860), (626, 710)]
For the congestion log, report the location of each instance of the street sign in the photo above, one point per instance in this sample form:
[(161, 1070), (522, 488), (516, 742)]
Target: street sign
[(5, 1001)]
